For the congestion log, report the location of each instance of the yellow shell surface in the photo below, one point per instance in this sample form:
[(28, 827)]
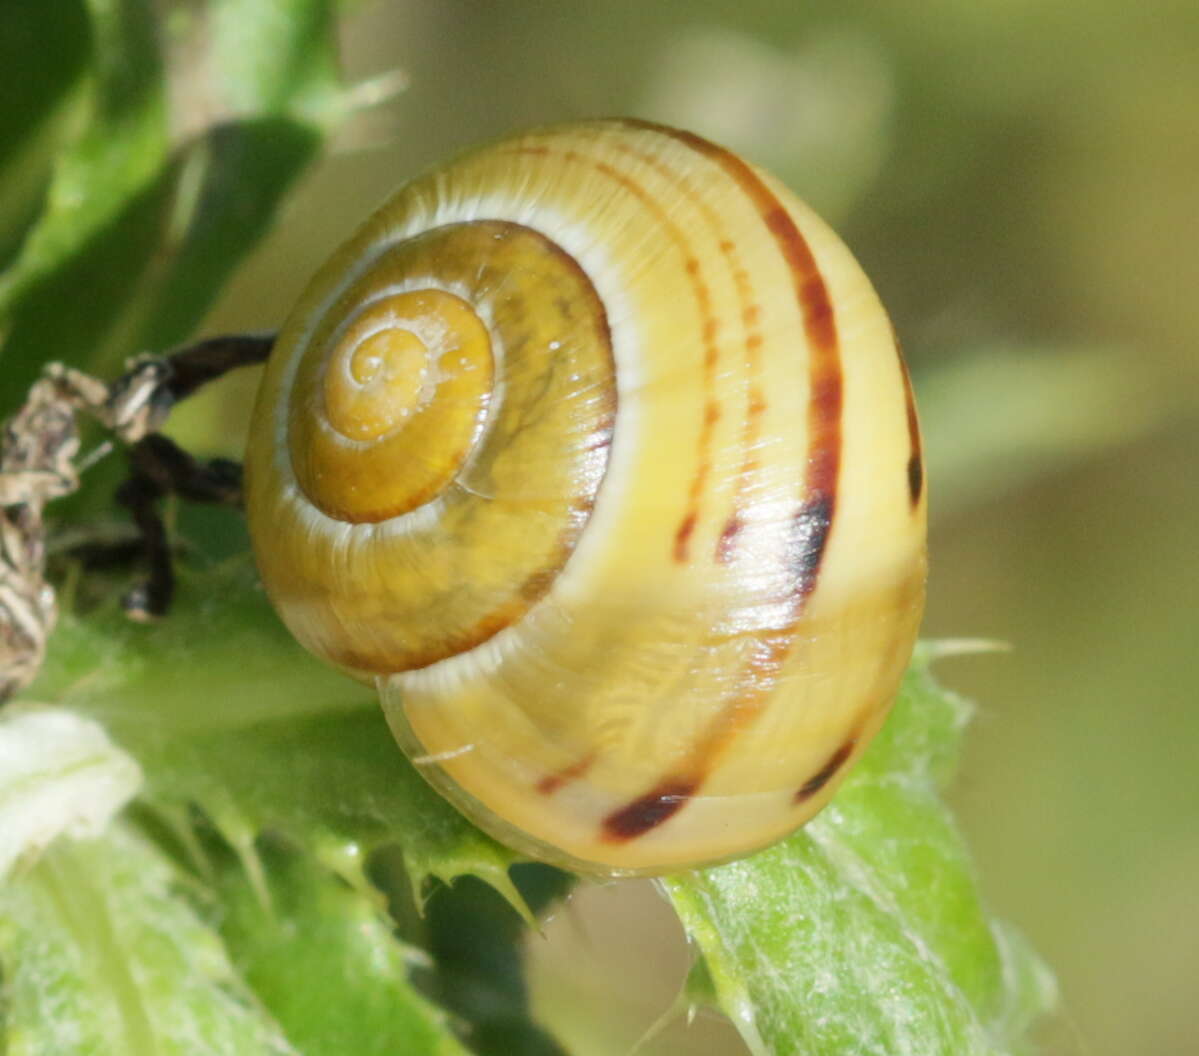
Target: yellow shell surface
[(637, 559)]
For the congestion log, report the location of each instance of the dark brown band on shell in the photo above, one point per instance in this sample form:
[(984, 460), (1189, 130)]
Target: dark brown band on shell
[(647, 812), (915, 454), (813, 521), (827, 772), (820, 326), (751, 319)]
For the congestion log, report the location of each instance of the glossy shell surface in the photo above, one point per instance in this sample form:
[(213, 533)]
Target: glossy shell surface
[(595, 451)]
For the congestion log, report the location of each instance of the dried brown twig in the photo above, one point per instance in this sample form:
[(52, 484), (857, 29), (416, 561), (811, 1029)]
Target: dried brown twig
[(38, 463)]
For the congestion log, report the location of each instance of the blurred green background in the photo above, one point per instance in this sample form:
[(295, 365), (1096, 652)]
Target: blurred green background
[(1021, 180)]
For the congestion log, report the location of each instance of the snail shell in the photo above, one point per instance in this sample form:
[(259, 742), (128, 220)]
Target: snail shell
[(595, 451)]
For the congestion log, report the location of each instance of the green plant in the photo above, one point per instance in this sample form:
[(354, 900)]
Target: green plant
[(283, 880)]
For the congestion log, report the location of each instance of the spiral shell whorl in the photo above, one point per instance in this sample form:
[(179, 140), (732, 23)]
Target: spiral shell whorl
[(502, 381), (646, 584), (407, 372)]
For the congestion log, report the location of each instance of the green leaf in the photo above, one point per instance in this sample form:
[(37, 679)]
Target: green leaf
[(35, 100), (100, 955), (119, 149), (325, 961), (272, 82), (865, 932), (188, 135), (276, 58), (222, 708)]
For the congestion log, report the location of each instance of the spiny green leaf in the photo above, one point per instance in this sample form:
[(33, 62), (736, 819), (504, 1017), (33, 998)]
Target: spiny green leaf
[(864, 932), (326, 962), (223, 709)]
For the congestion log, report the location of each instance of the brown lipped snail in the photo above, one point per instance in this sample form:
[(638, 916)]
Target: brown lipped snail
[(594, 450)]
